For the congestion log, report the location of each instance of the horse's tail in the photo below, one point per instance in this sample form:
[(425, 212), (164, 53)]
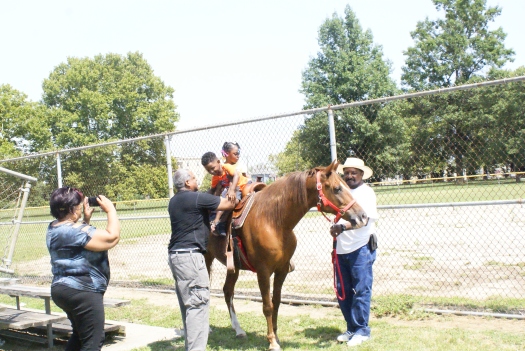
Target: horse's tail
[(208, 258)]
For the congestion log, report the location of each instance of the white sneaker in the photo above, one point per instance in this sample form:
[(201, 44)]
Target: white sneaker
[(345, 337), (357, 340)]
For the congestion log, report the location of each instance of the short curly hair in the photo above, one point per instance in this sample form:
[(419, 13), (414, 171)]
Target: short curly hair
[(208, 157), (63, 200)]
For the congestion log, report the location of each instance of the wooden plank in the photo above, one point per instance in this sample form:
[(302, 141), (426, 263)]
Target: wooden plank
[(63, 328), (15, 334), (45, 292), (19, 319), (8, 281), (24, 290)]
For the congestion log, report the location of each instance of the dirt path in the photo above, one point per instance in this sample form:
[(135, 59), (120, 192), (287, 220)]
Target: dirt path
[(444, 252)]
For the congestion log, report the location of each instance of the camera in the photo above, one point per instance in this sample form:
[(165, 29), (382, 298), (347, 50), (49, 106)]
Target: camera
[(92, 201)]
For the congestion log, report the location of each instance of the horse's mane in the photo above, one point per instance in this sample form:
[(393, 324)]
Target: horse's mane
[(277, 201)]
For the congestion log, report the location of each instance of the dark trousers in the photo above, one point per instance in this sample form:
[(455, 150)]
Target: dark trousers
[(356, 270), (85, 310)]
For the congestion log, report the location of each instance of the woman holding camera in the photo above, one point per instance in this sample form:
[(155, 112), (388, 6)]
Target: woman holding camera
[(80, 266)]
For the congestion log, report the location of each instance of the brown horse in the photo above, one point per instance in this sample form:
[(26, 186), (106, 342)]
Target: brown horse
[(268, 238)]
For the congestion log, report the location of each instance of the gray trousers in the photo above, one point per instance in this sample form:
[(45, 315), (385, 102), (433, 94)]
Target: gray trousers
[(192, 286)]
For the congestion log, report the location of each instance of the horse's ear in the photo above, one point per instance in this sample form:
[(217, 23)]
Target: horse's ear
[(332, 167)]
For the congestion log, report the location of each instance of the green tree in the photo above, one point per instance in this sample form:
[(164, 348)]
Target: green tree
[(290, 160), (106, 98), (21, 124), (393, 152), (505, 131), (448, 130), (110, 97), (445, 133), (349, 67), (22, 132), (451, 50), (206, 183), (139, 182)]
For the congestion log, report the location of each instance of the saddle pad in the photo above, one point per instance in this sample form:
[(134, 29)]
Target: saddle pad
[(238, 222), (240, 255)]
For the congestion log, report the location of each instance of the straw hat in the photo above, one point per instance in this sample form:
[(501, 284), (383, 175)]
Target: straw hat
[(354, 162)]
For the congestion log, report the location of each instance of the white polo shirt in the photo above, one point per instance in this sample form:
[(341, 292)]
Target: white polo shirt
[(351, 240)]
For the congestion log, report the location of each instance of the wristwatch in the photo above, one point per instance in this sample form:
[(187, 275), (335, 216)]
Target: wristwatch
[(343, 227)]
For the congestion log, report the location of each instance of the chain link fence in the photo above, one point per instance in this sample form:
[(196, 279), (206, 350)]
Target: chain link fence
[(448, 170)]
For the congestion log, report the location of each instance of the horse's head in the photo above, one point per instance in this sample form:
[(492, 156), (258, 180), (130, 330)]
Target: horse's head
[(340, 201)]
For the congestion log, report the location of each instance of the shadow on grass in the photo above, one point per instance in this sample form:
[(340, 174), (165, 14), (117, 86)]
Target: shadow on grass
[(323, 333), (22, 345), (167, 345), (223, 338)]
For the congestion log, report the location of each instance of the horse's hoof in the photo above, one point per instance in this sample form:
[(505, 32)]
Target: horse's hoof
[(241, 335)]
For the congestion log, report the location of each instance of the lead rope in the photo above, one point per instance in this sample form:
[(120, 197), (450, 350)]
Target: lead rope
[(335, 262)]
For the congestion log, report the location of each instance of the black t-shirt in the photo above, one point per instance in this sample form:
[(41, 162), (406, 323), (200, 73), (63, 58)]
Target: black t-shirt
[(190, 223)]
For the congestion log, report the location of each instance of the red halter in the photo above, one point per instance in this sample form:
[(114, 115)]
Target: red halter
[(325, 202)]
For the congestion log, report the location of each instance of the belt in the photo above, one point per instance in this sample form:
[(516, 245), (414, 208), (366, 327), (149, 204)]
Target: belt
[(185, 251)]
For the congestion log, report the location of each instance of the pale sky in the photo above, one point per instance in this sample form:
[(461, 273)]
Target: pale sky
[(227, 60)]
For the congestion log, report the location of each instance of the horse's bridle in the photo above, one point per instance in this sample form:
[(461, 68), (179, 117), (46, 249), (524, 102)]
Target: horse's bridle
[(325, 202)]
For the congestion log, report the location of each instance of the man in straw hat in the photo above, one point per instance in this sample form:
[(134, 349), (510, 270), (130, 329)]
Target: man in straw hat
[(356, 255)]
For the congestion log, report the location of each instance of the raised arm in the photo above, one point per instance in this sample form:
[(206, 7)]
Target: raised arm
[(103, 240), (233, 184)]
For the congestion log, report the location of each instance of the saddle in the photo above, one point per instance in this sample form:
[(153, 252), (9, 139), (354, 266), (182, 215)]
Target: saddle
[(251, 188), (236, 220)]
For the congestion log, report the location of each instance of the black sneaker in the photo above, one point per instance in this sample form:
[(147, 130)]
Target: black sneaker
[(221, 228)]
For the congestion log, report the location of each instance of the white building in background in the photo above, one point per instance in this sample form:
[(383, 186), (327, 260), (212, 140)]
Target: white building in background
[(262, 173), (194, 165)]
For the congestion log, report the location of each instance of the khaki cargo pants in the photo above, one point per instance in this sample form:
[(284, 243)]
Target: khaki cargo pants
[(192, 286)]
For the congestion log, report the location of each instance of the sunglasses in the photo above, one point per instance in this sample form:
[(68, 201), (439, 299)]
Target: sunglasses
[(237, 153)]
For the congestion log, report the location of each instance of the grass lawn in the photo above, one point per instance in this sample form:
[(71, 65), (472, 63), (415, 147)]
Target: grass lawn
[(450, 192), (314, 327), (31, 245)]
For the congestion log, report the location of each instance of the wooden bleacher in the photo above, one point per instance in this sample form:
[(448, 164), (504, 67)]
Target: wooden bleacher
[(18, 323)]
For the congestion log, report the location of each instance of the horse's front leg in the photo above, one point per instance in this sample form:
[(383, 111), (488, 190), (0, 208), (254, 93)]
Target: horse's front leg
[(229, 291), (264, 285), (278, 281)]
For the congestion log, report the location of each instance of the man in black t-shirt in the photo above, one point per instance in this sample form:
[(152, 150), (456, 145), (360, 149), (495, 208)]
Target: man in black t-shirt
[(190, 229)]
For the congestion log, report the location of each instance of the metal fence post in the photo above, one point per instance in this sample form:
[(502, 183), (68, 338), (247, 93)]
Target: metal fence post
[(17, 223), (59, 171), (167, 140), (331, 129)]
